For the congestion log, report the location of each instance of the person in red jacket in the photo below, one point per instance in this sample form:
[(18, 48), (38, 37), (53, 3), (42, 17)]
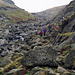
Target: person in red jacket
[(41, 33)]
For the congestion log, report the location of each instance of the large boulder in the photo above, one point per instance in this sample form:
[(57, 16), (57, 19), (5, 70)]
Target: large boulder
[(70, 60), (40, 56)]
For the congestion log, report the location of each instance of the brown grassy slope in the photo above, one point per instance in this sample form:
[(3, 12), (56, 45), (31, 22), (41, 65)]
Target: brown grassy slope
[(13, 13)]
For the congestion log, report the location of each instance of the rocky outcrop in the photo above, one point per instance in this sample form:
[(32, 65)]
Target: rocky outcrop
[(66, 18), (9, 1), (68, 24), (70, 60), (69, 40), (40, 56)]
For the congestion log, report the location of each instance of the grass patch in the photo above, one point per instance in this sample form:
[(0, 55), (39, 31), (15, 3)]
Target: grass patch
[(66, 34), (65, 52), (17, 15), (15, 64), (15, 56)]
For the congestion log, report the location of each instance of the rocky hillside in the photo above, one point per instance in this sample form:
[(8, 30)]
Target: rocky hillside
[(49, 13), (66, 18), (13, 13), (9, 1), (24, 52)]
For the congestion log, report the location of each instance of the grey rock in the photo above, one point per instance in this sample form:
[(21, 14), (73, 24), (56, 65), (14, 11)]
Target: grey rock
[(73, 46), (40, 56), (70, 60), (9, 1), (3, 41), (61, 70), (13, 71), (70, 40), (5, 61), (40, 71)]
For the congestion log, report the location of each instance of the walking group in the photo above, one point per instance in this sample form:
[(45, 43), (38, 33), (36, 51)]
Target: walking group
[(41, 33), (44, 31)]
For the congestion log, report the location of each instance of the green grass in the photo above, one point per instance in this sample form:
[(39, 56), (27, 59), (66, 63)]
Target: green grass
[(15, 14), (66, 34), (15, 64), (29, 73), (65, 52)]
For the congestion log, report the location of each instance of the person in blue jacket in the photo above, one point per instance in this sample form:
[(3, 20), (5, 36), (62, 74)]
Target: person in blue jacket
[(44, 30)]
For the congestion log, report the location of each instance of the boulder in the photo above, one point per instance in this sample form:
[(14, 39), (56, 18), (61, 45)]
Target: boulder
[(40, 71), (70, 60), (61, 70), (73, 46), (40, 56)]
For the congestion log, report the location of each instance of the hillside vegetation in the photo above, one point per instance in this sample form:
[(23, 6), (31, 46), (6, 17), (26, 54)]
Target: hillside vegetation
[(13, 13), (24, 52), (66, 18)]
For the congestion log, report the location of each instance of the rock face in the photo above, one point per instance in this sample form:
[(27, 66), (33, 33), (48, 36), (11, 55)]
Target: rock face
[(68, 25), (70, 40), (9, 1), (70, 60), (66, 18), (40, 56)]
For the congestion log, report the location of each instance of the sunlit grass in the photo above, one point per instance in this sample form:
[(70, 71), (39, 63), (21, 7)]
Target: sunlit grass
[(66, 34)]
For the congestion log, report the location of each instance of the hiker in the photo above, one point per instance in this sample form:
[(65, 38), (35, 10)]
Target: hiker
[(49, 28), (57, 27), (41, 33), (44, 30)]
